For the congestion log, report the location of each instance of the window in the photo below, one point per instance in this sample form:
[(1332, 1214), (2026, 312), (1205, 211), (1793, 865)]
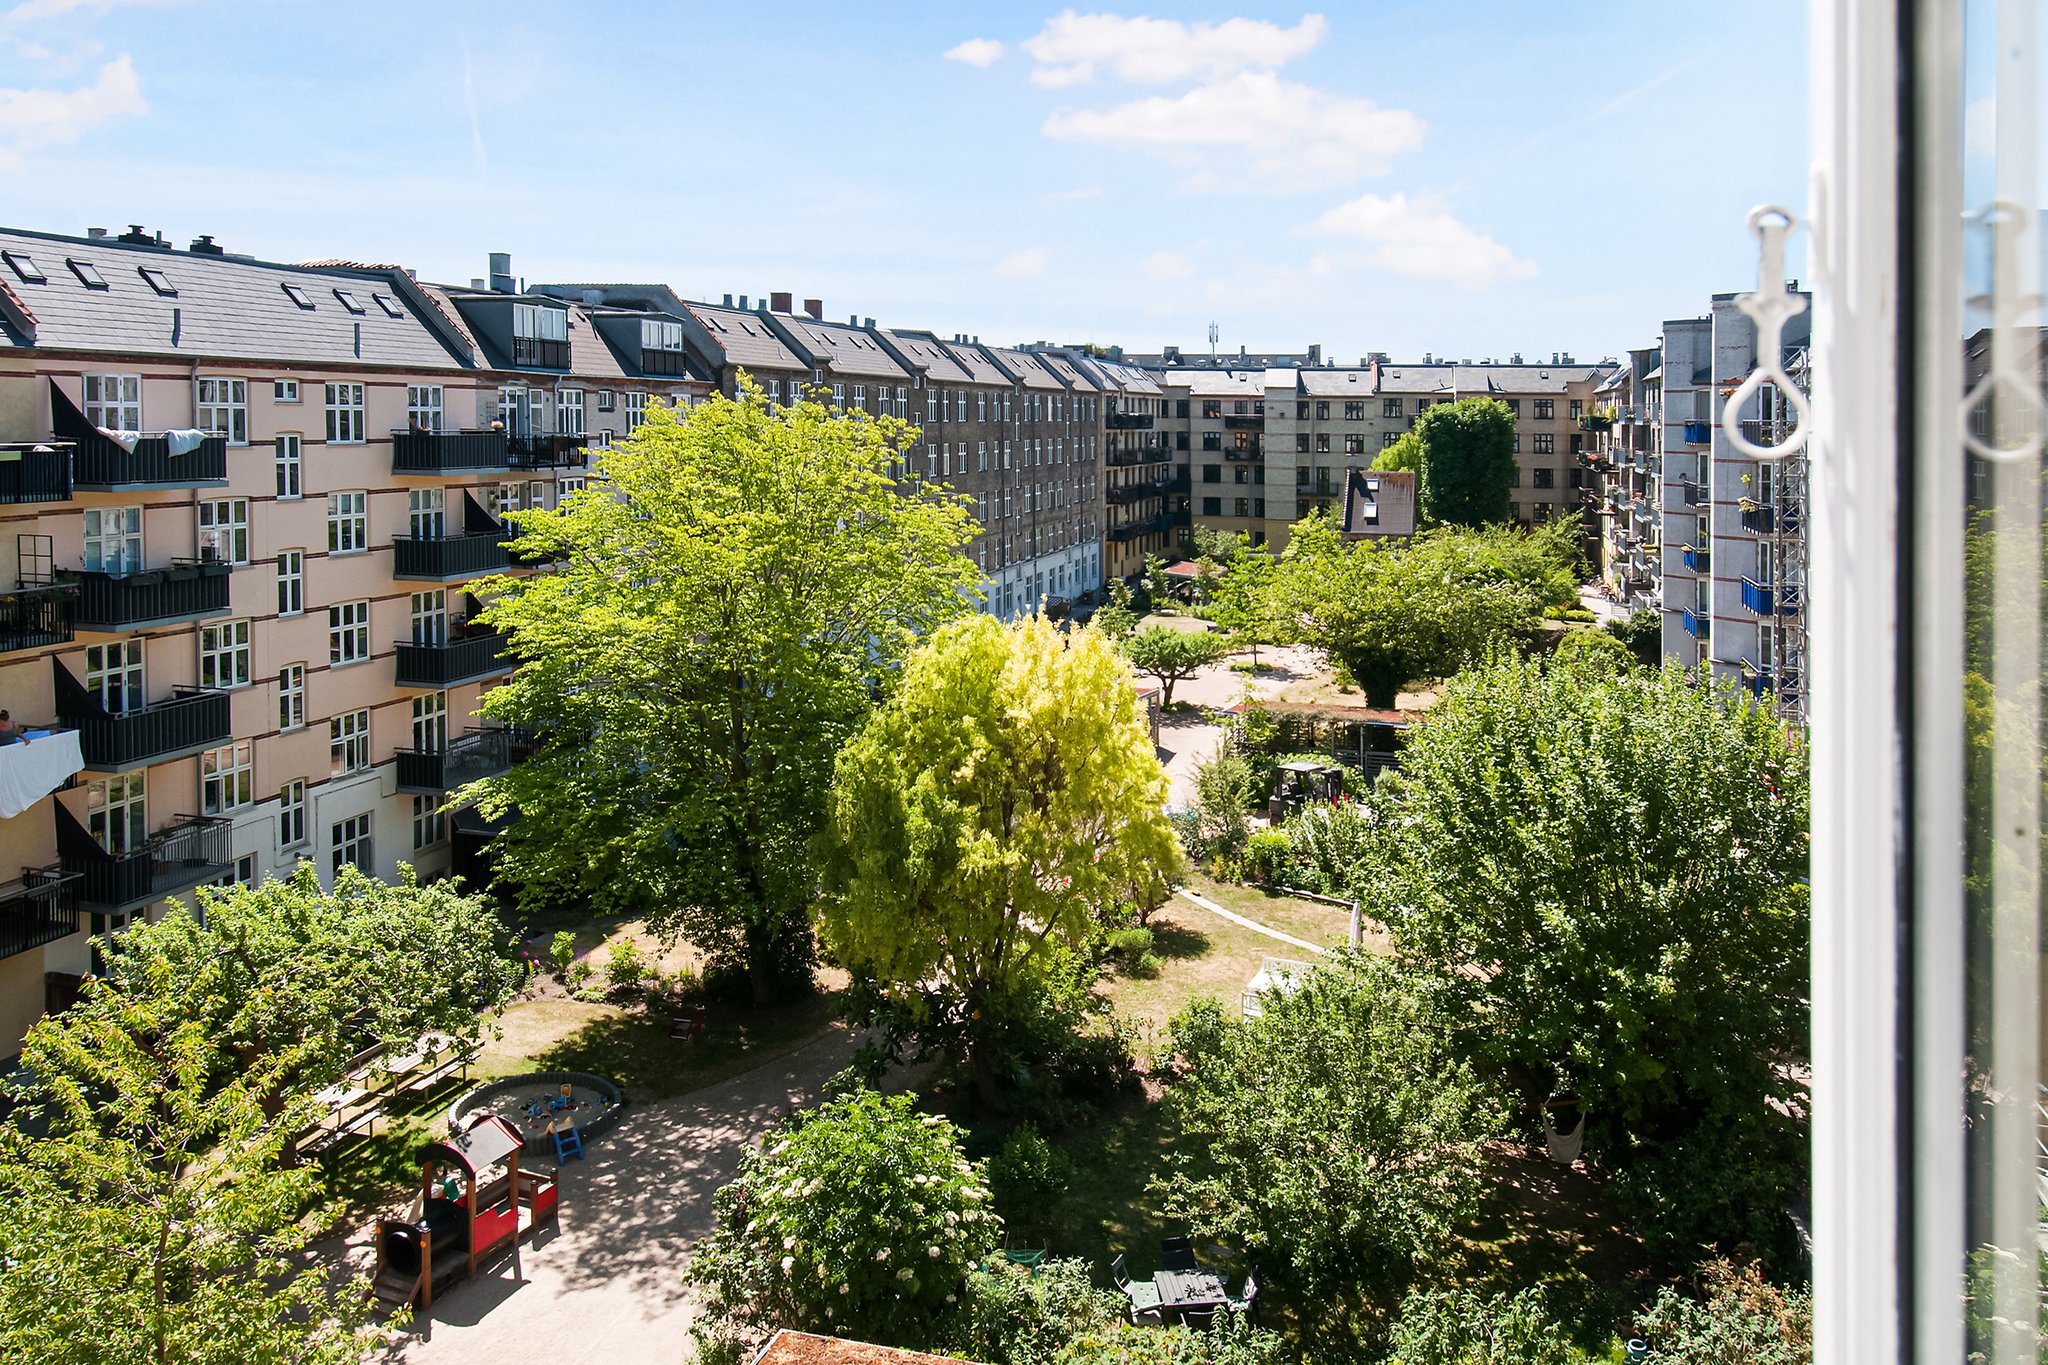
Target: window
[(225, 778), (291, 814), (430, 617), (426, 513), (113, 676), (423, 407), (569, 412), (860, 395), (351, 841), (430, 722), (1241, 507), (114, 401), (224, 408), (657, 335), (1322, 411), (1543, 478), (113, 539), (24, 267), (350, 302), (284, 390), (1514, 405), (348, 632), (297, 295), (291, 697), (88, 273), (1546, 409), (346, 420), (569, 483), (427, 822), (636, 410), (348, 743), (388, 304), (540, 322), (290, 465), (1322, 443), (839, 395), (1212, 408), (224, 654), (1542, 443), (224, 529), (348, 522), (1212, 440), (1388, 438), (1301, 443), (116, 812), (1354, 445)]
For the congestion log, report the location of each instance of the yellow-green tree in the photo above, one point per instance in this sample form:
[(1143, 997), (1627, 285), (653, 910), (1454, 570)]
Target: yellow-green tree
[(982, 819), (732, 594)]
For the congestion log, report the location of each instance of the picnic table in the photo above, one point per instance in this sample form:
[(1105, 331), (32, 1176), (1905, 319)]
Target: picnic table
[(1185, 1291), (353, 1103)]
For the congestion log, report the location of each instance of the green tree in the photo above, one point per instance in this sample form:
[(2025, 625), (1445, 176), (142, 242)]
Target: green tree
[(1595, 648), (1404, 455), (1158, 587), (1115, 617), (1642, 632), (1467, 462), (863, 1222), (1334, 1141), (730, 598), (1464, 1327), (988, 815), (1602, 871), (1173, 656), (1388, 614), (1242, 604)]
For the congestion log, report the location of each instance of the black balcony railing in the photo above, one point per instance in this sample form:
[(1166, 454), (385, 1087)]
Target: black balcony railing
[(547, 355), (99, 464), (1128, 421), (550, 452), (440, 558), (191, 720), (448, 452), (1144, 526), (188, 590), (189, 852), (1766, 521), (663, 362), (1249, 453), (455, 661), (41, 909), (33, 617), (470, 758), (35, 471), (1245, 421)]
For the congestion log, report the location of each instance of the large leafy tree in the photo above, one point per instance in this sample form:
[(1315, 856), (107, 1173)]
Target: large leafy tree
[(1603, 870), (1387, 613), (731, 596), (1173, 656), (983, 819), (1334, 1140), (1466, 462)]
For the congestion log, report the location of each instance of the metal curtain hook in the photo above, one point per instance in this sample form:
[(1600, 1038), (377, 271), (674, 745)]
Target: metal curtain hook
[(1770, 307), (2009, 378)]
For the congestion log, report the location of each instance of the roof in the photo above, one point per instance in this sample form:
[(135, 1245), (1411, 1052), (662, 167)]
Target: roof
[(1337, 383), (1066, 370), (1470, 380), (979, 368), (923, 348), (219, 307), (746, 340), (1218, 383), (1379, 502), (1338, 711), (804, 1348), (1028, 368), (590, 355), (849, 351), (489, 1141)]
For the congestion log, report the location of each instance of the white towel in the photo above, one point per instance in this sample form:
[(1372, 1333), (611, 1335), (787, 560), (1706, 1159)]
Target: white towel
[(184, 440), (124, 439)]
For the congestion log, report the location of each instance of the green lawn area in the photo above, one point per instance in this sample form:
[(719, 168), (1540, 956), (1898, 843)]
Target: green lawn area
[(1309, 921)]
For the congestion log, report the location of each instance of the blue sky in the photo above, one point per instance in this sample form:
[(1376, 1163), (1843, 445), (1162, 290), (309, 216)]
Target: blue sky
[(1467, 179)]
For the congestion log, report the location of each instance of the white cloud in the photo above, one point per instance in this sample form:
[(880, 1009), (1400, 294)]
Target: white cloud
[(1161, 51), (1417, 238), (1167, 265), (29, 10), (1291, 135), (51, 118), (1023, 265), (976, 52)]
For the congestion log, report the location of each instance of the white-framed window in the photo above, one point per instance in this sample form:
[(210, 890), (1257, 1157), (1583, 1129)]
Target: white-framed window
[(348, 522), (430, 617), (931, 405), (113, 539), (607, 400), (291, 582), (775, 392), (291, 697), (350, 841), (291, 466), (114, 401), (657, 335), (224, 654), (426, 513), (902, 401), (540, 322), (860, 395), (113, 676), (284, 390), (224, 529), (423, 407), (117, 812), (224, 407), (348, 632), (567, 484), (569, 412), (636, 411), (291, 814), (226, 778), (839, 395), (429, 826), (347, 420), (430, 722), (348, 743)]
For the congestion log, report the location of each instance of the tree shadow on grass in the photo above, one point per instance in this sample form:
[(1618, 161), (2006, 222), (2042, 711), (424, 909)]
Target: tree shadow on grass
[(636, 1051), (1177, 940)]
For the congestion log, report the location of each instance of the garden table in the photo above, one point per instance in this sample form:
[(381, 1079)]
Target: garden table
[(1182, 1291)]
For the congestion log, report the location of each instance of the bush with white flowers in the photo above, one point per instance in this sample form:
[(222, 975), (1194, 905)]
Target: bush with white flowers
[(862, 1221)]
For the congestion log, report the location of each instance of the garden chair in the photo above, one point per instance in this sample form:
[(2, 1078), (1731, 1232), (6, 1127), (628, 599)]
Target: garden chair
[(1141, 1298), (1246, 1304), (689, 1027), (1177, 1253)]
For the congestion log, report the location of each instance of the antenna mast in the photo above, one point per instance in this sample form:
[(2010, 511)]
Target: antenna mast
[(1214, 333)]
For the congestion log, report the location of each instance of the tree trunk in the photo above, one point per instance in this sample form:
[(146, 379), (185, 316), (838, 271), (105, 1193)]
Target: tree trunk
[(981, 1070)]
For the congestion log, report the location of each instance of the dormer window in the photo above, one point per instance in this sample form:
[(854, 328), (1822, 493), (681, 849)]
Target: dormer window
[(24, 267), (157, 280), (88, 274), (540, 336), (656, 335), (350, 302), (297, 295), (390, 306)]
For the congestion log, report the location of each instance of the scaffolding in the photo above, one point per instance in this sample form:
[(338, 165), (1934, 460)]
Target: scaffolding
[(1777, 518)]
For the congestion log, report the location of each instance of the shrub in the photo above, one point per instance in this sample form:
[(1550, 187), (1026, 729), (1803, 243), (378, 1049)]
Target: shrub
[(1269, 858), (1460, 1327), (1127, 947), (1027, 1177), (1227, 1342), (627, 967), (1009, 1316), (1328, 844), (1225, 789), (860, 1221), (579, 972), (1744, 1320), (562, 952)]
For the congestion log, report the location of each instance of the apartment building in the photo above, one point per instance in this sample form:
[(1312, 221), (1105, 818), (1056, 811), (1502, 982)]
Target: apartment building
[(244, 500)]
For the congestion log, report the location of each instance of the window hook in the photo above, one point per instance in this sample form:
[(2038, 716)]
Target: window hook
[(1770, 307)]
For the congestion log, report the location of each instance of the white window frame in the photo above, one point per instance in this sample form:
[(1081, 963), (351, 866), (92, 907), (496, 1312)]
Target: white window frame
[(117, 811), (291, 814), (113, 401), (348, 633), (227, 777), (636, 410), (347, 415), (348, 743), (113, 539), (223, 404), (429, 823), (429, 616), (224, 528), (284, 390), (423, 407), (291, 466), (291, 697), (114, 676), (291, 582), (348, 522), (224, 654), (350, 844)]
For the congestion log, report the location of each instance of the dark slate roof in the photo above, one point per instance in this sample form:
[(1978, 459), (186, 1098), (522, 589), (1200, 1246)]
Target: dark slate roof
[(1347, 383), (980, 369), (746, 340), (1389, 492), (225, 308), (1066, 370), (1028, 368), (923, 348), (844, 350)]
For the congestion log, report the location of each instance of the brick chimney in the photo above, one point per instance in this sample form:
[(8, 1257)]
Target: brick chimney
[(779, 302), (816, 308)]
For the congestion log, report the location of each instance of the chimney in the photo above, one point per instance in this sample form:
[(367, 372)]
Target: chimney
[(780, 301), (1315, 353), (135, 236), (868, 323), (501, 273), (96, 234), (1428, 359), (853, 320), (728, 300), (743, 303), (204, 245), (479, 282), (816, 308)]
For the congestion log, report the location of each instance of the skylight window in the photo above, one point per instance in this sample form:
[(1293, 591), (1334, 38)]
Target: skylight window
[(391, 309), (24, 266), (350, 302), (88, 273), (297, 295), (157, 280)]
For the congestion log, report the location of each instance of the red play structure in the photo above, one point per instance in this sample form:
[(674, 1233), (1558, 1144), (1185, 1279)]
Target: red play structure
[(485, 1203)]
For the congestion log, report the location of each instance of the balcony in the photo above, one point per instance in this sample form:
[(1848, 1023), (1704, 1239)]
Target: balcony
[(33, 617), (1597, 421), (1693, 623), (1763, 600), (453, 662), (190, 721), (663, 362), (471, 758), (190, 851), (1245, 421), (540, 353), (1128, 421), (442, 559), (1761, 520), (1122, 493), (188, 590), (101, 465), (1696, 558), (1257, 452), (1147, 526), (42, 909), (1122, 459), (35, 471), (448, 452), (1699, 433), (549, 452)]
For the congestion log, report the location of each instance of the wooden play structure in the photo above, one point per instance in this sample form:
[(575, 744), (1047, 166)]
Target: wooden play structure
[(474, 1202), (1302, 784)]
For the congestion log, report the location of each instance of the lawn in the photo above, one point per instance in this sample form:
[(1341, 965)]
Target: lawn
[(1199, 954), (1309, 921)]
